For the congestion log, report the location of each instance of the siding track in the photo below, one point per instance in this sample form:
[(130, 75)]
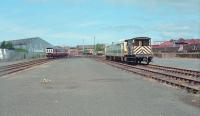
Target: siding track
[(9, 69), (182, 78)]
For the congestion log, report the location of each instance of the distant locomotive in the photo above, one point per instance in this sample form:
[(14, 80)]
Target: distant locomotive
[(132, 51), (56, 52)]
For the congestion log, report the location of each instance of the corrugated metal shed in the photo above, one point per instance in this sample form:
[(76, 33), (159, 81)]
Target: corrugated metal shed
[(35, 44)]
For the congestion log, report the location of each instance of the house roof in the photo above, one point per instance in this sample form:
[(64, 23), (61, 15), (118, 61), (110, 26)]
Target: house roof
[(192, 41), (167, 44), (171, 43)]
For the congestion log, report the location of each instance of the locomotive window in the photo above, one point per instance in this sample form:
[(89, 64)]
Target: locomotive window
[(136, 43), (140, 43), (144, 42)]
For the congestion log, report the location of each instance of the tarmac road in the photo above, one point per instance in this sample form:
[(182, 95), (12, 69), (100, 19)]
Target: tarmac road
[(83, 87)]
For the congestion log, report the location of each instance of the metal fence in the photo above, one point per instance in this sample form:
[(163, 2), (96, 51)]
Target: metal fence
[(12, 55)]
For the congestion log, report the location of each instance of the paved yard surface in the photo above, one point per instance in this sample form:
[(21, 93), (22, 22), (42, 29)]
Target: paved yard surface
[(83, 87)]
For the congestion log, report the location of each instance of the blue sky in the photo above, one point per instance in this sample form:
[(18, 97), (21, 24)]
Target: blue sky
[(67, 22)]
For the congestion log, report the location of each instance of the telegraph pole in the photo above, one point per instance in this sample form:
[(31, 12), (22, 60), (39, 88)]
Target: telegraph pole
[(94, 46), (83, 46)]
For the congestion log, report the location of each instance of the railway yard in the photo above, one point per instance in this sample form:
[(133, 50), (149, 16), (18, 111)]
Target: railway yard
[(95, 86), (99, 58)]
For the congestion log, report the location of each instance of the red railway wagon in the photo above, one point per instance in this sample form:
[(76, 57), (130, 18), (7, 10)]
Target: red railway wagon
[(56, 52)]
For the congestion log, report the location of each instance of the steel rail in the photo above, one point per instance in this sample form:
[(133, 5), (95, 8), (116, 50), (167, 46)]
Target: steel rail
[(176, 70), (191, 85)]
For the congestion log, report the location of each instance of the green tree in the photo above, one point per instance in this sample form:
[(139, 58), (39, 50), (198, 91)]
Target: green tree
[(3, 44), (9, 45), (100, 47)]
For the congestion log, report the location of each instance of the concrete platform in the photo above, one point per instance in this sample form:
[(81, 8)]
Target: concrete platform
[(186, 63), (83, 87)]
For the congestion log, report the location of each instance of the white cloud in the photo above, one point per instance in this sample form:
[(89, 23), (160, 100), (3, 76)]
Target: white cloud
[(68, 35), (89, 24), (195, 4), (179, 27), (12, 29), (122, 28), (48, 1), (172, 30)]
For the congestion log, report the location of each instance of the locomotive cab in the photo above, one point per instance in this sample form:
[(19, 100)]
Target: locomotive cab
[(49, 52), (142, 49)]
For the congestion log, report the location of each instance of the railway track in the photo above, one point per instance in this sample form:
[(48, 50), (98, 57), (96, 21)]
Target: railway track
[(9, 69), (187, 72), (182, 78)]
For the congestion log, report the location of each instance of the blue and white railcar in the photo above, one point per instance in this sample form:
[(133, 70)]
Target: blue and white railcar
[(135, 50)]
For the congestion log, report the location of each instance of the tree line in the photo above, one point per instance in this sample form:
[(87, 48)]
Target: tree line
[(6, 45)]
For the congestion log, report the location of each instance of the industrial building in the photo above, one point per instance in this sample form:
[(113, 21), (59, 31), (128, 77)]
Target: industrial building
[(25, 48), (35, 44)]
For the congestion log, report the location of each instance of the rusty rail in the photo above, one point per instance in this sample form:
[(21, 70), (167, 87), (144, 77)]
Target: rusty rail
[(9, 69)]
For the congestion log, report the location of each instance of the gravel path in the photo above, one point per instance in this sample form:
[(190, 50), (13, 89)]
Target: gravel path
[(83, 87)]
